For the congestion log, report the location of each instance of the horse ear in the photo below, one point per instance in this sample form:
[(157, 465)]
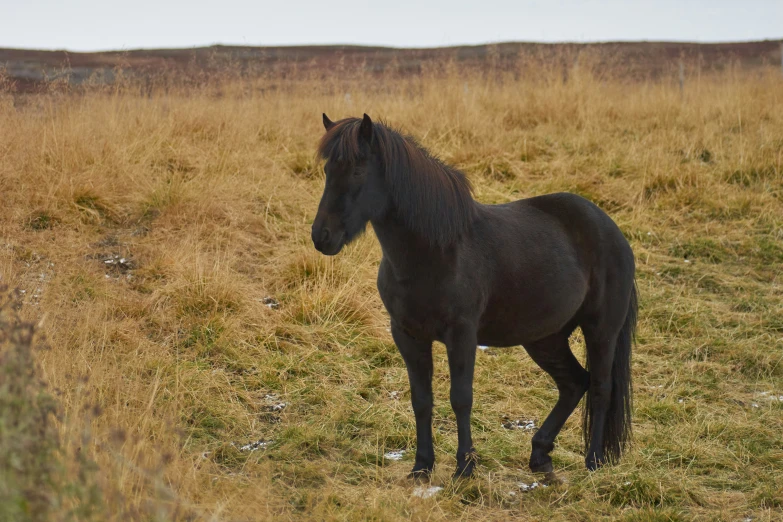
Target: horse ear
[(365, 129), (328, 124)]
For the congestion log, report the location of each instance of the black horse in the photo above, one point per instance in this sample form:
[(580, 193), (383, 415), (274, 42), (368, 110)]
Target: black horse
[(462, 273)]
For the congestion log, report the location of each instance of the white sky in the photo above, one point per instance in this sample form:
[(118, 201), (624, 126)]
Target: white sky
[(83, 25)]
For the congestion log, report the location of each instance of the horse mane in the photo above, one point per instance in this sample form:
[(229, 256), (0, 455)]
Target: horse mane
[(432, 199)]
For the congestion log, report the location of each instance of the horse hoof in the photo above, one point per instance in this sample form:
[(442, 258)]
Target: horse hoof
[(460, 475), (464, 471), (544, 467), (420, 474), (593, 464)]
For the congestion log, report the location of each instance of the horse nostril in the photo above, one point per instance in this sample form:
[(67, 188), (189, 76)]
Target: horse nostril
[(325, 234)]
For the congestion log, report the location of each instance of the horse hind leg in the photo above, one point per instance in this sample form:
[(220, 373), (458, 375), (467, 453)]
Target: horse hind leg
[(554, 356)]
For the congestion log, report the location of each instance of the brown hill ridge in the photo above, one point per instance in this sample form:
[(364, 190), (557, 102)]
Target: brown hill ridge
[(29, 70)]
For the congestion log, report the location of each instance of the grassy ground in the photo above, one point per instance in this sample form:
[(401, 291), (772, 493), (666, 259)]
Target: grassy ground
[(163, 244)]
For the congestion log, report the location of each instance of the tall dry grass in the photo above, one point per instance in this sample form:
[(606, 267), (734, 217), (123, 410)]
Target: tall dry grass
[(163, 242)]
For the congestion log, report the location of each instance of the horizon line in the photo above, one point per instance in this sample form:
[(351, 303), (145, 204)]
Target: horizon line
[(394, 47)]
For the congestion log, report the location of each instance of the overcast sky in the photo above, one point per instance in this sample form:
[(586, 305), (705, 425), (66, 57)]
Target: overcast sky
[(85, 25)]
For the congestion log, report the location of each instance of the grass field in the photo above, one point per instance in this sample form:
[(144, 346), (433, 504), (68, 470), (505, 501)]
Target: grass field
[(163, 246)]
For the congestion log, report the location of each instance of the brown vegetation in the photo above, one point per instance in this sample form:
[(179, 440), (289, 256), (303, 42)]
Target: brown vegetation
[(35, 71), (162, 241)]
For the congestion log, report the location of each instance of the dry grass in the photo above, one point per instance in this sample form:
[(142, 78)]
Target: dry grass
[(207, 200)]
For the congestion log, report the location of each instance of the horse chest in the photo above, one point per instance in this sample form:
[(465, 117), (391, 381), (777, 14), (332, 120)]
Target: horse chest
[(415, 307)]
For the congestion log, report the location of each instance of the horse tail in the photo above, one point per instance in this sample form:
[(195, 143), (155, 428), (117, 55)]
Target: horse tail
[(618, 419), (617, 430)]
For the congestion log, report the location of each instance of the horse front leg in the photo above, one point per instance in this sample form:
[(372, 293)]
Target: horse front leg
[(461, 347), (418, 360)]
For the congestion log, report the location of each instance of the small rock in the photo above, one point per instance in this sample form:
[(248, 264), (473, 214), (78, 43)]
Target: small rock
[(426, 492), (394, 395), (122, 264), (394, 455), (529, 487), (274, 403), (271, 302), (253, 446), (770, 396), (520, 424)]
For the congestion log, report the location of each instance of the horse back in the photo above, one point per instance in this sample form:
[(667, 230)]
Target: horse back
[(545, 259)]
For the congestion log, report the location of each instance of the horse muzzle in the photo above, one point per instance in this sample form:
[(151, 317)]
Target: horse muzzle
[(327, 241)]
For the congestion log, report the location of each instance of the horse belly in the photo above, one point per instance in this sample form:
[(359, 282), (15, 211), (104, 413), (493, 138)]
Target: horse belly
[(521, 315)]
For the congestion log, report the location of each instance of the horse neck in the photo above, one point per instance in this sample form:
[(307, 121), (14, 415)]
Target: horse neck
[(411, 249), (407, 252)]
